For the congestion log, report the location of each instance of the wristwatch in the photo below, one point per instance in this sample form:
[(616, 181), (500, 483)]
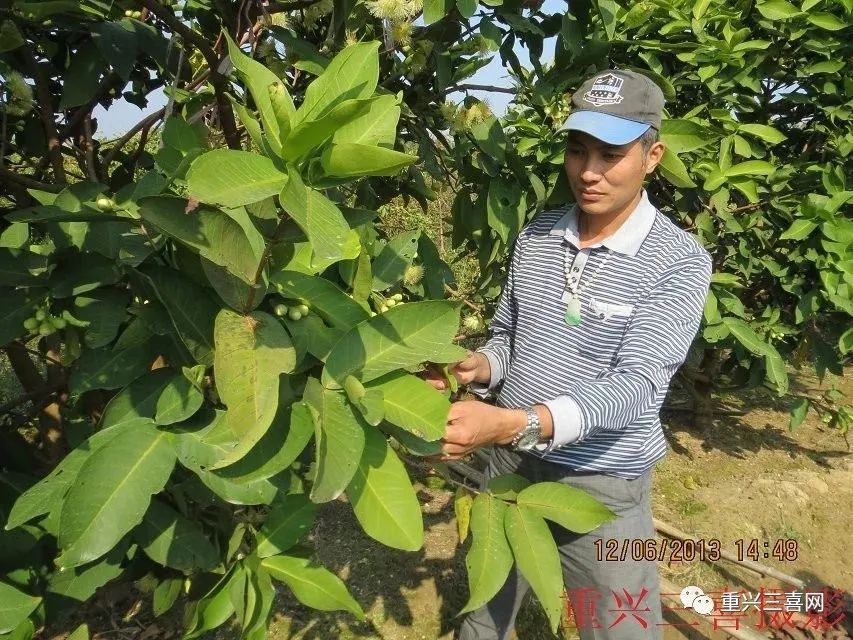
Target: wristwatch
[(529, 436)]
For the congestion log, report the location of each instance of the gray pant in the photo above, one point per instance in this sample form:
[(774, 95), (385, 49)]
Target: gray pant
[(605, 594)]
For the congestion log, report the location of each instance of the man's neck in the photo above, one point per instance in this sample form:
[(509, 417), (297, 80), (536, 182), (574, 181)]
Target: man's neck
[(595, 229)]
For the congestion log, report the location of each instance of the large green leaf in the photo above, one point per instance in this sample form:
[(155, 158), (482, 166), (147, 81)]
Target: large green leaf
[(674, 170), (413, 404), (750, 168), (376, 126), (308, 135), (799, 230), (404, 336), (287, 437), (321, 220), (763, 131), (105, 310), (682, 136), (193, 322), (15, 607), (339, 440), (745, 335), (350, 160), (106, 369), (174, 541), (536, 554), (78, 584), (17, 267), (571, 508), (777, 9), (111, 493), (323, 296), (207, 231), (489, 559), (313, 585), (776, 371), (136, 404), (383, 498), (233, 178), (179, 400), (396, 256), (252, 351), (288, 522), (351, 74), (503, 208)]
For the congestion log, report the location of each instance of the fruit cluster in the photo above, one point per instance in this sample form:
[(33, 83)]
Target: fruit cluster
[(43, 322), (136, 15), (296, 311)]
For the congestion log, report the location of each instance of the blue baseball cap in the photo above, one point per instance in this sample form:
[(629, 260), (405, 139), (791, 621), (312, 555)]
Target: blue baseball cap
[(616, 106)]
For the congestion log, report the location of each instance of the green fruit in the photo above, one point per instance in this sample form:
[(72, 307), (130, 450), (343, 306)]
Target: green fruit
[(383, 308), (40, 315), (59, 323), (294, 314), (105, 204), (398, 297), (45, 329), (31, 324), (280, 310), (303, 309), (390, 302), (137, 15), (128, 13)]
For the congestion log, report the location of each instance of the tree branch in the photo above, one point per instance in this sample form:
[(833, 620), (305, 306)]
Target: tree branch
[(45, 108), (226, 114), (278, 7), (481, 87), (25, 181)]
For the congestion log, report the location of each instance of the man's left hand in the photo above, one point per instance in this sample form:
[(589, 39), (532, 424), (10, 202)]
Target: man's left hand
[(472, 424)]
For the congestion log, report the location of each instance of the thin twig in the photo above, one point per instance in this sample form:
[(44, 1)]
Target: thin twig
[(45, 109), (480, 87), (453, 292)]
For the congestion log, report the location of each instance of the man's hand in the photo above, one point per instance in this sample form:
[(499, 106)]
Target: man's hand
[(472, 424), (474, 368)]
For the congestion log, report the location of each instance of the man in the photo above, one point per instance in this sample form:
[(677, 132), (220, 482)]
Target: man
[(601, 304)]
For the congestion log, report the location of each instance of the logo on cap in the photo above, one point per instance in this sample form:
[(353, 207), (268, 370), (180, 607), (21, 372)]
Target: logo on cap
[(605, 90)]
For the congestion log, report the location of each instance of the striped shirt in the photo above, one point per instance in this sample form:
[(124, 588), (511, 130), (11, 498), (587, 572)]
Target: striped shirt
[(604, 380)]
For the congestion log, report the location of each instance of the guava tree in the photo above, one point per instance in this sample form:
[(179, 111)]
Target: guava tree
[(213, 336)]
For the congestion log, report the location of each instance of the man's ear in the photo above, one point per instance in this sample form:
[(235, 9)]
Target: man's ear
[(654, 156)]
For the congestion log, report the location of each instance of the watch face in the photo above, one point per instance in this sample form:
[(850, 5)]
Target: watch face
[(529, 439)]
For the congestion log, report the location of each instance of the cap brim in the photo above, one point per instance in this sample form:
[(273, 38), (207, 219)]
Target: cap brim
[(605, 127)]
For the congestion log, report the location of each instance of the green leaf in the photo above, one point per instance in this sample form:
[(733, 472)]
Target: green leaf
[(607, 9), (339, 440), (17, 265), (462, 503), (507, 486), (750, 168), (233, 178), (683, 136), (489, 559), (80, 81), (280, 446), (799, 230), (313, 585), (174, 541), (674, 170), (535, 551), (571, 508), (503, 208), (776, 371), (376, 126), (166, 595), (252, 351), (798, 413), (288, 522), (383, 498), (777, 10), (396, 256), (112, 492), (352, 74), (79, 584), (258, 79), (467, 8), (80, 633), (726, 279), (210, 232), (413, 404), (193, 322), (435, 10), (15, 607), (309, 135), (105, 310), (215, 607), (827, 21), (490, 137), (179, 400), (403, 336), (766, 133), (351, 160), (321, 220), (323, 296), (745, 335), (105, 369), (845, 342), (136, 404)]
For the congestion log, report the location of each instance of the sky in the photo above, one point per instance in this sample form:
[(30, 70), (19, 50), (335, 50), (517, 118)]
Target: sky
[(123, 115)]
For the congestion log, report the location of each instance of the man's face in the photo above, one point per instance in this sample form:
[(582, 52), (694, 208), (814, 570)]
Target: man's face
[(605, 178)]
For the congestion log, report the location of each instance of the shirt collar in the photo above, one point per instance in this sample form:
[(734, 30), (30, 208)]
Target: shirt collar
[(627, 239)]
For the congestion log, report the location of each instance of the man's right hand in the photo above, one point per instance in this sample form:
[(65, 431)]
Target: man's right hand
[(474, 368)]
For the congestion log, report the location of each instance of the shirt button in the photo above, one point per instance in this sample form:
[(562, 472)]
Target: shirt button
[(601, 315)]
